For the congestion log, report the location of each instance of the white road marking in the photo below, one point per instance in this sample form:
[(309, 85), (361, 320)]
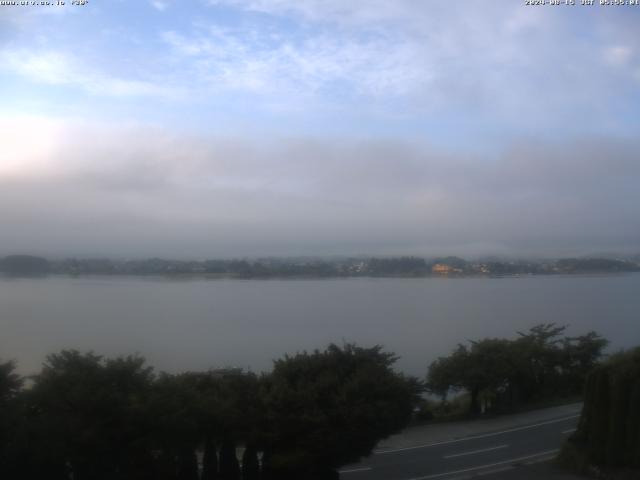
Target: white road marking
[(489, 449), (571, 430), (480, 467), (474, 437), (353, 470)]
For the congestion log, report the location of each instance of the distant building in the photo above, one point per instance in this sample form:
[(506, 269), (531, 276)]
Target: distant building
[(482, 268), (441, 268)]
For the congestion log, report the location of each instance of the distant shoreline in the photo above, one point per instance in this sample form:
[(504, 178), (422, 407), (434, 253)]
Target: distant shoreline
[(211, 277), (397, 267)]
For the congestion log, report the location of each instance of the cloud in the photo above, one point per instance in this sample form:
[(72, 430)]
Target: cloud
[(335, 11), (225, 59), (618, 55), (159, 5), (145, 191), (408, 59), (467, 64), (456, 75), (57, 68)]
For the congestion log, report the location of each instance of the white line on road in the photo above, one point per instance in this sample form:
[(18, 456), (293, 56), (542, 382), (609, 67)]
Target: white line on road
[(480, 467), (353, 470), (571, 430), (475, 451), (474, 437)]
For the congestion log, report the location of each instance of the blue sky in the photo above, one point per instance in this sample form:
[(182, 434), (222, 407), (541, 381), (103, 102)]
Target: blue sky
[(372, 67), (440, 88)]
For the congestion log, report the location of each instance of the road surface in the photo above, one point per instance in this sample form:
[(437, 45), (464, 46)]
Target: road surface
[(482, 452)]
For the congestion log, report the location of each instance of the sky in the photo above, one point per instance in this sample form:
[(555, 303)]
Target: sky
[(229, 128)]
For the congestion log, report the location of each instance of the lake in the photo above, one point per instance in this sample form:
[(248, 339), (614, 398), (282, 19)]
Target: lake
[(197, 323)]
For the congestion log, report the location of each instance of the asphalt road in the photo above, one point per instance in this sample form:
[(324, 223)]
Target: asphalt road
[(469, 456)]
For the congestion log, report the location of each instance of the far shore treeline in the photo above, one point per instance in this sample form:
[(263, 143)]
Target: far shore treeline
[(20, 265), (84, 416)]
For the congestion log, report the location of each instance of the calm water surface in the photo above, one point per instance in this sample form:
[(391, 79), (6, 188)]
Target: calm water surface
[(197, 324)]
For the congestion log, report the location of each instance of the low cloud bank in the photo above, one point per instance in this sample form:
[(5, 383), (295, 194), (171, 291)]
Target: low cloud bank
[(132, 190)]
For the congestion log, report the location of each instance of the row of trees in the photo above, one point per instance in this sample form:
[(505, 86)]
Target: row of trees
[(500, 373), (88, 417), (26, 265)]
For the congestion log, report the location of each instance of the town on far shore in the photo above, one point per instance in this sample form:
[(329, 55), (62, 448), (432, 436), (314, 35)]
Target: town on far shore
[(406, 266)]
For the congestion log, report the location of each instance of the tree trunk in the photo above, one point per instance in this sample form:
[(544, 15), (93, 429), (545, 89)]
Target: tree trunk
[(210, 461), (166, 467), (187, 465), (250, 465), (229, 466), (474, 406), (266, 469)]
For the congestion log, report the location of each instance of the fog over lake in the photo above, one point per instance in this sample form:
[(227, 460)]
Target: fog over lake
[(197, 323)]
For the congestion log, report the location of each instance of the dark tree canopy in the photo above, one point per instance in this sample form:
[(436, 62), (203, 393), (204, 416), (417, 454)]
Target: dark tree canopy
[(94, 409), (10, 415), (538, 364), (330, 408), (608, 433), (10, 382), (90, 417)]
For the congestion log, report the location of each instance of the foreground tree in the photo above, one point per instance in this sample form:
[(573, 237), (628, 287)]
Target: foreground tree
[(537, 365), (10, 382), (330, 408), (10, 420), (86, 418), (581, 356), (608, 434), (540, 361), (485, 366)]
